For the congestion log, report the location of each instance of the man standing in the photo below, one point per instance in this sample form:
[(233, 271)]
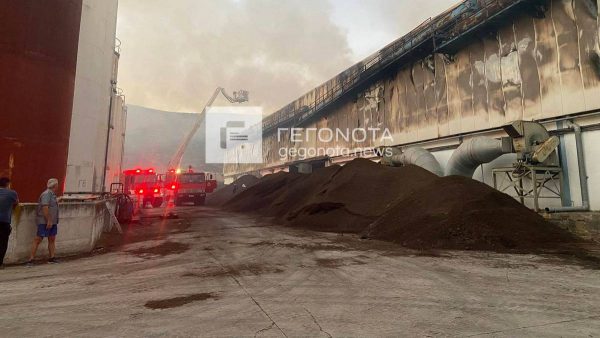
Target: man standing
[(8, 201), (47, 221)]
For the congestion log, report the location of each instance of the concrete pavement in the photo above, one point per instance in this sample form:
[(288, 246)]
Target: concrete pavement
[(211, 273)]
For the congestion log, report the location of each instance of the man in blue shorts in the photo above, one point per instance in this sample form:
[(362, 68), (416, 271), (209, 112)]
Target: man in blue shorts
[(47, 221)]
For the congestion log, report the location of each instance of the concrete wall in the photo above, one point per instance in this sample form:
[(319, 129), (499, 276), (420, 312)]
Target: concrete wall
[(80, 227), (94, 86)]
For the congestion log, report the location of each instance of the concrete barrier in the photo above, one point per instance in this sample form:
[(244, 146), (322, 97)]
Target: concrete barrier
[(80, 226)]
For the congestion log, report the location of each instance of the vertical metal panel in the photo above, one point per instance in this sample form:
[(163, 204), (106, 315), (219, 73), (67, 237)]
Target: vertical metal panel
[(465, 90), (525, 36), (403, 110), (430, 129), (390, 105), (92, 98), (493, 75), (511, 77), (480, 92), (568, 56), (418, 78), (38, 53), (441, 94), (454, 103), (547, 61), (411, 105), (587, 31)]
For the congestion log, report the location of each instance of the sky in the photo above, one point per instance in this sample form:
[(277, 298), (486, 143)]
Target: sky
[(175, 53)]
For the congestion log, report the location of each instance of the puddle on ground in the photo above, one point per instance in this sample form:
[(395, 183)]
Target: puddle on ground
[(161, 250), (179, 301), (304, 246), (234, 270), (338, 262)]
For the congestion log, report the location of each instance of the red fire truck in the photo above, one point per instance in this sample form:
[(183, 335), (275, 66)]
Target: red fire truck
[(211, 182), (189, 186), (145, 185)]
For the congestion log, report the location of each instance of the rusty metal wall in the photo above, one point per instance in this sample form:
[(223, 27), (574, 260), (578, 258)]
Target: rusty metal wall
[(529, 68), (38, 53)]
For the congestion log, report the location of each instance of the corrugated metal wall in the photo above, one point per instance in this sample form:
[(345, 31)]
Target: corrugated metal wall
[(38, 55), (530, 68), (92, 101)]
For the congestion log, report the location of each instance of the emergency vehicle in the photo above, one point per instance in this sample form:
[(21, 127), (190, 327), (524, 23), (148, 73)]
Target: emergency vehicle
[(211, 182), (145, 185), (189, 186)]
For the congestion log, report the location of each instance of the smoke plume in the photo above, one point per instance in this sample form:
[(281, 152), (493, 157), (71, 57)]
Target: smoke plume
[(175, 53)]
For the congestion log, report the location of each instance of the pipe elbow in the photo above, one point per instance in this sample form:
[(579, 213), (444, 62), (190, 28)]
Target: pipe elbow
[(472, 153), (421, 158)]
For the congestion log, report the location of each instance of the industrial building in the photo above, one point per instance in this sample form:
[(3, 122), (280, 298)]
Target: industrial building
[(63, 115), (465, 73)]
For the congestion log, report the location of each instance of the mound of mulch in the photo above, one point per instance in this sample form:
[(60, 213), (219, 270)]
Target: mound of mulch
[(406, 205), (227, 192), (460, 213)]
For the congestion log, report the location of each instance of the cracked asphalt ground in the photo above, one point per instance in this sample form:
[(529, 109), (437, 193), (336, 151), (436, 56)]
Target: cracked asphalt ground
[(212, 273)]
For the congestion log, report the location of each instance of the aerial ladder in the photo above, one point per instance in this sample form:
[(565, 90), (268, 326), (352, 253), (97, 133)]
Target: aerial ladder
[(239, 96)]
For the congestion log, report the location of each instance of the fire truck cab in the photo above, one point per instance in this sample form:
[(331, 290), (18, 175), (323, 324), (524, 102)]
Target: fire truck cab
[(189, 187), (145, 185)]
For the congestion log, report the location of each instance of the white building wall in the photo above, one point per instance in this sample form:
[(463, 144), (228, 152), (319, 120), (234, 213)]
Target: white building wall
[(116, 141), (89, 124)]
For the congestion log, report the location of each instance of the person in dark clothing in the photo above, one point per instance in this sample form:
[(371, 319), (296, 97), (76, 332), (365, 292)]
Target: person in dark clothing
[(8, 201)]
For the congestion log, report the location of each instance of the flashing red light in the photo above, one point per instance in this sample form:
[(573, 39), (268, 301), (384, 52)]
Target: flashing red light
[(173, 186), (150, 170), (155, 189), (138, 171), (141, 191)]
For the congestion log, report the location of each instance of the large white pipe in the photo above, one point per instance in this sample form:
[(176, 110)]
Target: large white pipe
[(472, 153), (419, 157)]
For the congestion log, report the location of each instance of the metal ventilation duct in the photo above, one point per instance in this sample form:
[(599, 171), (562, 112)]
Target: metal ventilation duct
[(474, 152), (419, 157)]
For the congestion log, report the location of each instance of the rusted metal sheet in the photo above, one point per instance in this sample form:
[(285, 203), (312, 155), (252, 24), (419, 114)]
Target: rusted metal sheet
[(38, 55)]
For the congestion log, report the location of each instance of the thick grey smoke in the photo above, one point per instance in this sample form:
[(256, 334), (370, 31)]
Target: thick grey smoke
[(175, 53), (372, 24)]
